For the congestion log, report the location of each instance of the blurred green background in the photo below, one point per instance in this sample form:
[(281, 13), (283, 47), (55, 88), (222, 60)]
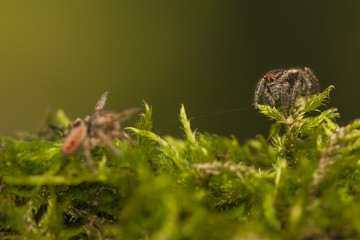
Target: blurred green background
[(208, 55)]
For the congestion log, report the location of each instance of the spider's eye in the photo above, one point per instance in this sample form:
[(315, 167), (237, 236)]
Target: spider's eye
[(271, 79)]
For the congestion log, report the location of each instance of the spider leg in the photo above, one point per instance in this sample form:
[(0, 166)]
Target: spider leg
[(269, 98), (125, 114), (87, 155), (259, 91), (306, 85), (263, 98), (104, 139), (311, 80), (295, 92), (285, 96), (120, 134), (101, 102), (275, 92)]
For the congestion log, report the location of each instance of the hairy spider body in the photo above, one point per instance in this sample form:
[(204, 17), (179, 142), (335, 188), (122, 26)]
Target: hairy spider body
[(98, 129), (285, 86)]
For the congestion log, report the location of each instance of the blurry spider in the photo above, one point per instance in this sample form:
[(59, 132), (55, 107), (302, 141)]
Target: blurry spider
[(98, 129), (286, 86)]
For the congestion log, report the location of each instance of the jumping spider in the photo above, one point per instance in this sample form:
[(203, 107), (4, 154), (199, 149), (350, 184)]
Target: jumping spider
[(98, 129), (285, 86)]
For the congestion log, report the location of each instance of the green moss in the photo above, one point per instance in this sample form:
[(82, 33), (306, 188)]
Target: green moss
[(301, 183)]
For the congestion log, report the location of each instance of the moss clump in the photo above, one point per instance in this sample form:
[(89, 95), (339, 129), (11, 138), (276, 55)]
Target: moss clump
[(301, 183)]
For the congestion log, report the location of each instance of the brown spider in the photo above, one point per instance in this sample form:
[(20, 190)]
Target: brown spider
[(98, 129), (284, 86)]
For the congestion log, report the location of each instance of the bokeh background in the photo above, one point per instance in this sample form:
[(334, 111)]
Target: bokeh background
[(207, 55)]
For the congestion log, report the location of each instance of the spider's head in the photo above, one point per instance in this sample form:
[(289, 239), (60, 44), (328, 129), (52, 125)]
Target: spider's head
[(272, 75)]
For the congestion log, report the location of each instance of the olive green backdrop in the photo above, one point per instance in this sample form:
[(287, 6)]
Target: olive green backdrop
[(208, 55)]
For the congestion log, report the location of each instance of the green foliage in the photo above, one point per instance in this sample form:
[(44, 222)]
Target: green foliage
[(301, 183)]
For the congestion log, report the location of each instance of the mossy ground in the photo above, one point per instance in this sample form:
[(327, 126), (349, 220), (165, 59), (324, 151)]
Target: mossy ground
[(302, 182)]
